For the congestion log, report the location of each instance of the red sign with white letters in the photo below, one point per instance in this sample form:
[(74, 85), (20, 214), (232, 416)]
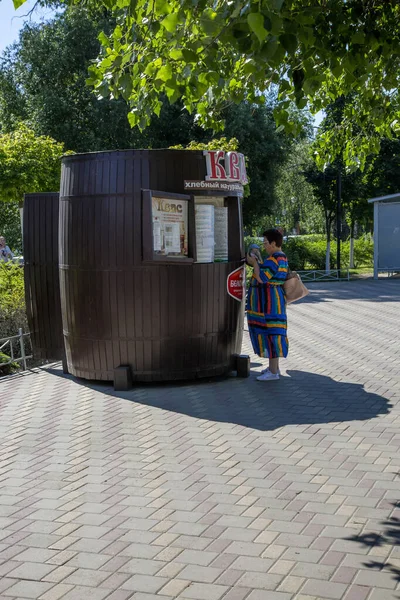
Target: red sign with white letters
[(225, 166), (235, 283)]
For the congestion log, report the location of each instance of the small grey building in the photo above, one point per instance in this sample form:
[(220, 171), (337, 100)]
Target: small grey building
[(386, 233)]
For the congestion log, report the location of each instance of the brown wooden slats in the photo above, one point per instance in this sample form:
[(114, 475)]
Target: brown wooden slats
[(135, 167), (166, 321), (169, 169), (42, 285)]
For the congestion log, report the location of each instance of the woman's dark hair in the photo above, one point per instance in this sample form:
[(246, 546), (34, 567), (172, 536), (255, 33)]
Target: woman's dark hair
[(274, 235)]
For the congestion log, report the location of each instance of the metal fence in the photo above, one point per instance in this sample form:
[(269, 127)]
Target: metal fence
[(332, 275), (7, 347)]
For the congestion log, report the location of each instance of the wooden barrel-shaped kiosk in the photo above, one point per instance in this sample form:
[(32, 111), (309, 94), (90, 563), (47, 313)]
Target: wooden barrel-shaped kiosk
[(42, 285), (124, 302)]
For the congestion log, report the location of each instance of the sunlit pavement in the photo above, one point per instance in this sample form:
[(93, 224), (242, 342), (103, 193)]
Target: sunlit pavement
[(231, 489)]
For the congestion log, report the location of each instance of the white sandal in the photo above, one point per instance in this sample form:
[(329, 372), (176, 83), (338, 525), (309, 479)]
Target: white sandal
[(268, 371)]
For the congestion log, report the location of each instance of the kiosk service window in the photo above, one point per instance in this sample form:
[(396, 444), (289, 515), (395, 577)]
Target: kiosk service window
[(186, 229)]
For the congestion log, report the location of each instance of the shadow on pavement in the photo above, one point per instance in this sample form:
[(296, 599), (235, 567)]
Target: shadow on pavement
[(369, 291), (297, 398), (390, 535)]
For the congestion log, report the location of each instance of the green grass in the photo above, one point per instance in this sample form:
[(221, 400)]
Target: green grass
[(361, 272)]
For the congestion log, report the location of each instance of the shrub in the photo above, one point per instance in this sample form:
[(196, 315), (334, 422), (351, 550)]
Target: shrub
[(304, 253), (364, 251), (312, 237), (12, 301), (10, 225), (8, 369), (308, 251), (12, 292)]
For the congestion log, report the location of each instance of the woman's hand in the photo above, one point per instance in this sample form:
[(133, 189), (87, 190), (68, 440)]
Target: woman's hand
[(251, 260)]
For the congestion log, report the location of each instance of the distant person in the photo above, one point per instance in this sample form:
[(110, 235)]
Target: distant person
[(266, 305), (5, 252)]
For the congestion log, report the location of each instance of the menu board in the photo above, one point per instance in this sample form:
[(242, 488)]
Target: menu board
[(170, 227), (205, 241), (217, 201), (221, 234)]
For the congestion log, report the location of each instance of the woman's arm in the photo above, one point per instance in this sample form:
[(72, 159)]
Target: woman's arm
[(268, 270), (252, 261), (256, 271)]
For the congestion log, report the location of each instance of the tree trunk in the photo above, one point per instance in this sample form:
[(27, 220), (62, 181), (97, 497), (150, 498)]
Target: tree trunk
[(328, 245), (328, 257), (351, 261)]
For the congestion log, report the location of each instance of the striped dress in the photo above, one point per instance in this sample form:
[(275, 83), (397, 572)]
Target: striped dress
[(266, 309)]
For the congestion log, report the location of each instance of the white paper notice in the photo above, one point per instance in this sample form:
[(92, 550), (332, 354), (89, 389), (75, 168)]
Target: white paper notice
[(205, 241), (157, 236), (221, 234), (170, 226), (172, 237)]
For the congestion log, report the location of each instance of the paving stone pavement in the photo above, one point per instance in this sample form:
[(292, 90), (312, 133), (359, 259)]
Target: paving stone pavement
[(218, 490)]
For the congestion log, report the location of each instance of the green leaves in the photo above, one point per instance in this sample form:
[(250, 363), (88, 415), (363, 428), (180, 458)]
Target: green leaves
[(28, 163), (103, 39), (165, 73), (125, 85), (289, 42), (269, 49), (210, 22), (358, 38), (256, 24), (169, 47), (170, 22), (176, 54), (172, 91), (189, 56), (222, 143), (162, 7)]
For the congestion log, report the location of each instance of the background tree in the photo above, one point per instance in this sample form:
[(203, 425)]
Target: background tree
[(254, 129), (380, 177), (383, 173), (357, 211), (266, 149), (43, 82), (28, 163), (297, 209), (209, 54), (324, 189)]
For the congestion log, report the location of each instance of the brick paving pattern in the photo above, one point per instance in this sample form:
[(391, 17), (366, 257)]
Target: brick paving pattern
[(221, 490)]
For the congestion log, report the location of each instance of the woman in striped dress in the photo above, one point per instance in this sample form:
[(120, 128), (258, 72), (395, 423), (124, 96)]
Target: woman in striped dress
[(266, 305)]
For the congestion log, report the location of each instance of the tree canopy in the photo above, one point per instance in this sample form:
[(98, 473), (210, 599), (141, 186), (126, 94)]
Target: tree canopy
[(209, 54), (28, 163), (266, 150), (42, 82), (297, 210)]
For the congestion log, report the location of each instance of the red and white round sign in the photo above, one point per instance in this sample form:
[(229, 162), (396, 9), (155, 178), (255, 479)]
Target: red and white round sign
[(235, 283)]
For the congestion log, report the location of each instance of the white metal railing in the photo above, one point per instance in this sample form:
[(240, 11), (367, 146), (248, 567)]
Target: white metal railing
[(8, 341), (332, 275)]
